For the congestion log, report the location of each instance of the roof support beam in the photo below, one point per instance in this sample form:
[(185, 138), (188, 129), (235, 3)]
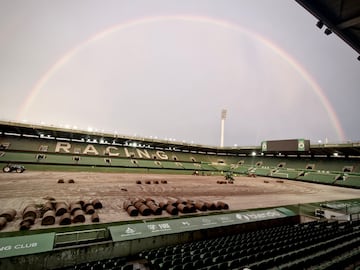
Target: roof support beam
[(349, 23)]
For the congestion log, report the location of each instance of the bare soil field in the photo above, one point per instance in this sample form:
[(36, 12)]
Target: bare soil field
[(19, 190)]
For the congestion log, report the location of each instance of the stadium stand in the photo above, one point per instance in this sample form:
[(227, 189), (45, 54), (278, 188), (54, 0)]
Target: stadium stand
[(285, 173), (319, 177), (323, 171), (278, 243), (51, 151), (349, 181), (263, 171), (318, 245), (172, 165), (312, 245), (241, 169)]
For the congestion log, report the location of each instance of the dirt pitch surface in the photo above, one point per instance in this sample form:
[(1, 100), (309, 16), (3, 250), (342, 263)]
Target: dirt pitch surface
[(19, 190)]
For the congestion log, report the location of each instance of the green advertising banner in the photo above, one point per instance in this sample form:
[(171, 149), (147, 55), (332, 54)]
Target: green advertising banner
[(27, 244), (154, 228), (128, 232), (259, 215)]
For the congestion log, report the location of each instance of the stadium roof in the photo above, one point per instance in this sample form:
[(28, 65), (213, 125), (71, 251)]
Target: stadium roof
[(87, 136), (339, 16), (46, 132)]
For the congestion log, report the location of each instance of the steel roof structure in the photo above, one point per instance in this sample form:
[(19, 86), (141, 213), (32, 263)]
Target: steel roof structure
[(341, 17)]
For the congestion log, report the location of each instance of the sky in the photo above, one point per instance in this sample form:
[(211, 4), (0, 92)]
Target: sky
[(165, 69)]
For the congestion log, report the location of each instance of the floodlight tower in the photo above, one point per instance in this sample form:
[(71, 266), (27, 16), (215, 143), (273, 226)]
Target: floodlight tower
[(223, 117)]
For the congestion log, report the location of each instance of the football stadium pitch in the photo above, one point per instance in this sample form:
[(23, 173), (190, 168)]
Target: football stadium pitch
[(17, 191)]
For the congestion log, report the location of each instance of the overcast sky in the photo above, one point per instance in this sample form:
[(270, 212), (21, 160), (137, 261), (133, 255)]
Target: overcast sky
[(166, 69)]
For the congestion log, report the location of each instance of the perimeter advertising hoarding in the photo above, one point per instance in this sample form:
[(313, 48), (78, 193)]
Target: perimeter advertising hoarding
[(26, 244), (154, 228), (294, 145)]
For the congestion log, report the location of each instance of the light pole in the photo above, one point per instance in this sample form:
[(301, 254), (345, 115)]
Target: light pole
[(223, 117)]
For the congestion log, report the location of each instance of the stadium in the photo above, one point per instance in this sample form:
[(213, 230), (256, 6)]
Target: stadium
[(75, 199), (236, 192)]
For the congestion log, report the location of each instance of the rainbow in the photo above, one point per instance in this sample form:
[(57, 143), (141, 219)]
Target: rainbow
[(64, 59)]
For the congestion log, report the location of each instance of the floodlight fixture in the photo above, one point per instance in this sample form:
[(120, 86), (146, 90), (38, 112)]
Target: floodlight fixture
[(253, 153), (327, 31), (320, 24), (223, 114)]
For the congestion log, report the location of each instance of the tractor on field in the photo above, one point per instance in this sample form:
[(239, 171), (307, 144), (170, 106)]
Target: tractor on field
[(229, 177), (13, 168)]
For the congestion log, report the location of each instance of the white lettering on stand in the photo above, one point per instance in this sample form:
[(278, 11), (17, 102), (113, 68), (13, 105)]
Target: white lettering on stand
[(90, 149), (109, 152), (161, 155), (65, 146)]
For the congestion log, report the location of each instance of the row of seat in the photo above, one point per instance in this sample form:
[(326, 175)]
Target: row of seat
[(108, 264), (257, 240), (285, 246), (300, 246)]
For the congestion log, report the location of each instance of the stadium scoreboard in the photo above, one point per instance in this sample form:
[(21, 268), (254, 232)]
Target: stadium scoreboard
[(292, 145)]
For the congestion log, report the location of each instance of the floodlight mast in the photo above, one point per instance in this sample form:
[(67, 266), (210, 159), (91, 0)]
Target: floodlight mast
[(223, 117)]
